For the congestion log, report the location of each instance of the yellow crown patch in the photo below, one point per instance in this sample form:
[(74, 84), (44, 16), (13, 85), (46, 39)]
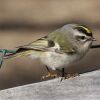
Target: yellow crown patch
[(84, 30)]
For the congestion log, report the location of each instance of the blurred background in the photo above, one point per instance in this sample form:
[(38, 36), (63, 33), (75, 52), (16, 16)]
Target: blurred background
[(23, 21)]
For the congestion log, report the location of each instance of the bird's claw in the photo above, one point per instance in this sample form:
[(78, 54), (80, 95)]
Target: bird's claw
[(70, 76), (49, 75)]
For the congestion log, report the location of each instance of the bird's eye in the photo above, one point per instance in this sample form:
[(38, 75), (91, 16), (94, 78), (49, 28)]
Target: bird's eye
[(81, 38)]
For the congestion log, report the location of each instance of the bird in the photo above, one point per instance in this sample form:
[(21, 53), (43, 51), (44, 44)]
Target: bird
[(60, 48)]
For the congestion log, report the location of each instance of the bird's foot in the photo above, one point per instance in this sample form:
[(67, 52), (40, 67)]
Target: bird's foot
[(49, 75), (70, 76)]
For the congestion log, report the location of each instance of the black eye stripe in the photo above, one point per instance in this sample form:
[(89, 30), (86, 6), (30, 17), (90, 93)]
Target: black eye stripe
[(84, 30), (82, 37)]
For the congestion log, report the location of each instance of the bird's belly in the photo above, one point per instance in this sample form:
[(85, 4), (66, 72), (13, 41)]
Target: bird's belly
[(55, 60)]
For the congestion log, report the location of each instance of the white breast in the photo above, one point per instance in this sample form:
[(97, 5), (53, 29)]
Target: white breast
[(55, 60)]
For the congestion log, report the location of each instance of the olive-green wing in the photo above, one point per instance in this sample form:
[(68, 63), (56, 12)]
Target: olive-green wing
[(55, 39), (42, 44)]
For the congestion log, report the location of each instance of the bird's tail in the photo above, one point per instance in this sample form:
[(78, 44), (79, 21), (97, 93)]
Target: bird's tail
[(6, 54), (20, 52)]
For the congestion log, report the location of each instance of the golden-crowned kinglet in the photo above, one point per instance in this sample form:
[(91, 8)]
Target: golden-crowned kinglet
[(60, 48)]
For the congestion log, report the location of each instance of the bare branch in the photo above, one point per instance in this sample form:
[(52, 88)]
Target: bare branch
[(84, 87)]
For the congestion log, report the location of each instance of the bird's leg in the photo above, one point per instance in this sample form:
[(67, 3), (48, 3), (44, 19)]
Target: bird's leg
[(65, 75), (63, 72), (49, 74)]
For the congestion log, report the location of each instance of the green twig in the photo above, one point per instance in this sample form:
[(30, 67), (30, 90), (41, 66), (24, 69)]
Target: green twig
[(4, 52)]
